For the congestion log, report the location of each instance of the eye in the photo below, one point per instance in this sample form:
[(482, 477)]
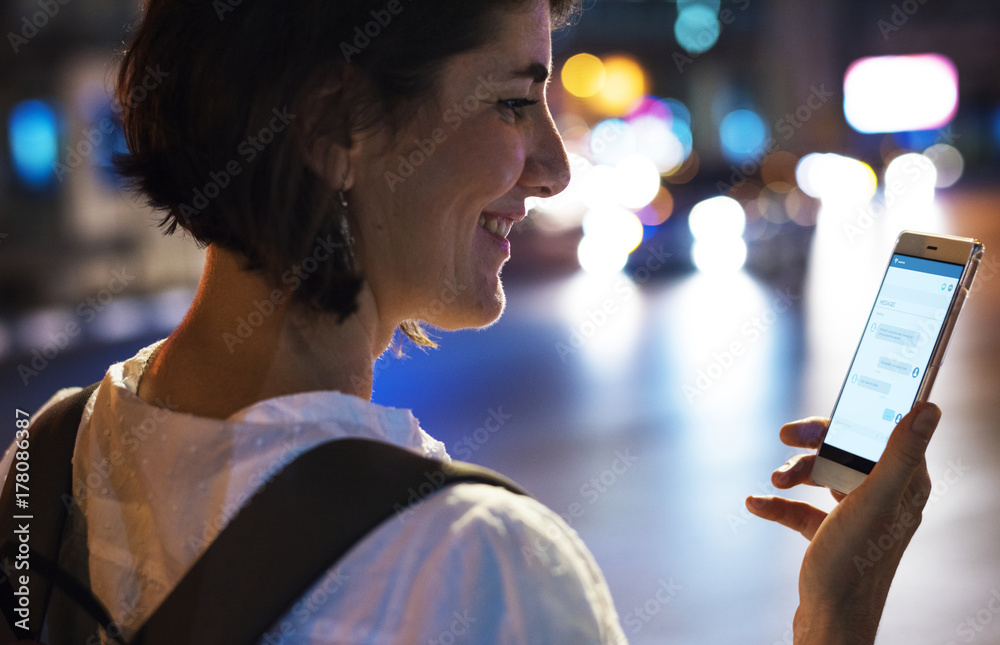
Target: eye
[(515, 105)]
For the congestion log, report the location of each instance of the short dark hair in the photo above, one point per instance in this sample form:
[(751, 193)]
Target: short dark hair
[(204, 85)]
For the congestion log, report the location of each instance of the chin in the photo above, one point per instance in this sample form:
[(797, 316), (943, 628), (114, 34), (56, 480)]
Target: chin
[(494, 315), (473, 312)]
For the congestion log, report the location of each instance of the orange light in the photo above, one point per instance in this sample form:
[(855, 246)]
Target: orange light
[(583, 75), (624, 85), (659, 210)]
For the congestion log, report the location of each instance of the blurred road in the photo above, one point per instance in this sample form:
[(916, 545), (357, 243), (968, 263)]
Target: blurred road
[(644, 411)]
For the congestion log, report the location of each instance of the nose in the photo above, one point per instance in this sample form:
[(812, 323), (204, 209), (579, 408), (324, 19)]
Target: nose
[(546, 168)]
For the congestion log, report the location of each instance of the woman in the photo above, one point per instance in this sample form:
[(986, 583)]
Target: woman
[(354, 167)]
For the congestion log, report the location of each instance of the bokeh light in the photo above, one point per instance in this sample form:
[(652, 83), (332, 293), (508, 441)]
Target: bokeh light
[(600, 187), (678, 110), (900, 93), (916, 139), (910, 180), (609, 235), (638, 181), (687, 170), (723, 255), (597, 257), (717, 225), (624, 84), (804, 173), (583, 75), (947, 161), (612, 140), (650, 106), (836, 179), (742, 133), (656, 140), (717, 217), (658, 210), (33, 133), (619, 228), (697, 28)]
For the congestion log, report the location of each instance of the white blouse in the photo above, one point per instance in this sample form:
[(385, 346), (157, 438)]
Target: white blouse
[(472, 563)]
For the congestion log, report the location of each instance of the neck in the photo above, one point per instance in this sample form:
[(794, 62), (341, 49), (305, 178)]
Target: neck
[(242, 341)]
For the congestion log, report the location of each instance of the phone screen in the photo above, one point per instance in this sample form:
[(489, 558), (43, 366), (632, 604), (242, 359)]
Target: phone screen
[(891, 359)]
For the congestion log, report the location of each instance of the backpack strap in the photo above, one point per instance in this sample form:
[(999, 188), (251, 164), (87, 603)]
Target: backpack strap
[(291, 531), (48, 449)]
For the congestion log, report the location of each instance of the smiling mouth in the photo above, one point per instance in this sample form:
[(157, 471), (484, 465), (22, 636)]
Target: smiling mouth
[(499, 226)]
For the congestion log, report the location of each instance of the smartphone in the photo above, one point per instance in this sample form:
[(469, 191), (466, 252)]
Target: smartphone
[(901, 350)]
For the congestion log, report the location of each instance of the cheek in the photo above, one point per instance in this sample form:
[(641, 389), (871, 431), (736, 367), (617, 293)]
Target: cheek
[(456, 178), (490, 157)]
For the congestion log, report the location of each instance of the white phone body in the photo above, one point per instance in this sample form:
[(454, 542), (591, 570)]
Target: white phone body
[(903, 346)]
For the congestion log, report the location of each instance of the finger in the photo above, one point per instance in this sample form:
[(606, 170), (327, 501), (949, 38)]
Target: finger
[(806, 433), (837, 495), (795, 471), (797, 516), (904, 454)]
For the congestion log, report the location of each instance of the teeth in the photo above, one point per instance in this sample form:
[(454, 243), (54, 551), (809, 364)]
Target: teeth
[(496, 226)]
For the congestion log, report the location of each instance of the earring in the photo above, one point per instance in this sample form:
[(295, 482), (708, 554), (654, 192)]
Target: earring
[(345, 230)]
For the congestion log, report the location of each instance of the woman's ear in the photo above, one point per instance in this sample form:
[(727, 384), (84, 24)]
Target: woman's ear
[(326, 128)]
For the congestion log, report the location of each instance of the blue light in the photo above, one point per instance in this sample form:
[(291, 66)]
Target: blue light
[(34, 142), (697, 28), (109, 146), (916, 139), (682, 131), (670, 110), (742, 133), (678, 110)]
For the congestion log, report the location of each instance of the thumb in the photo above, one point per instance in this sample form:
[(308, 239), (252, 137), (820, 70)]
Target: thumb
[(905, 452)]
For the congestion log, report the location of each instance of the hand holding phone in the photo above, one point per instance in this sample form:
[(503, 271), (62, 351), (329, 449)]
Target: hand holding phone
[(854, 549), (901, 350)]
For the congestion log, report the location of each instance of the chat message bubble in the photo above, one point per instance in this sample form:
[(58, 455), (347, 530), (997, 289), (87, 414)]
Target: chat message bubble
[(874, 385), (891, 364), (898, 335)]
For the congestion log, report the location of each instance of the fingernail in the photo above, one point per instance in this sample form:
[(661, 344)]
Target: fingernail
[(757, 502), (926, 421), (787, 466)]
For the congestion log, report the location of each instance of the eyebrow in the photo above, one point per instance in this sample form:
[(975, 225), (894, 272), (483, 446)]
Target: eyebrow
[(537, 72)]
